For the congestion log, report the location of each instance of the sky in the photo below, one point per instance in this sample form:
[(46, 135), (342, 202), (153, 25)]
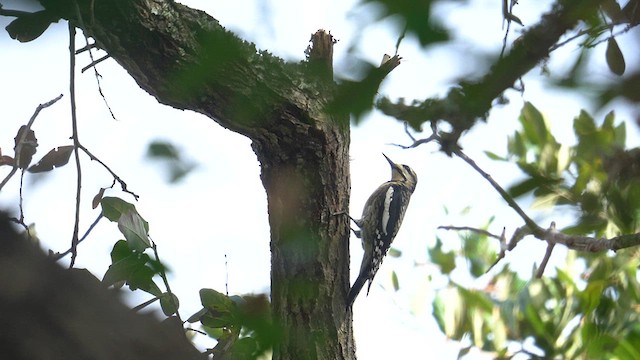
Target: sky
[(211, 228)]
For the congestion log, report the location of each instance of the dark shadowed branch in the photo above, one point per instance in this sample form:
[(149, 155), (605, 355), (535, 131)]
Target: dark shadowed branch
[(469, 101), (76, 141)]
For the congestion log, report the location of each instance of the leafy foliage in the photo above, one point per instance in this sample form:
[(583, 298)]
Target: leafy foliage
[(417, 17), (129, 263), (570, 315), (242, 325)]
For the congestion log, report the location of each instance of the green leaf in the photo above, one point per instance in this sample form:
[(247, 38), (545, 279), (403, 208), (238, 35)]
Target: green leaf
[(196, 317), (627, 349), (584, 125), (394, 281), (393, 252), (620, 136), (446, 261), (533, 319), (448, 312), (479, 252), (171, 159), (592, 294), (474, 299), (220, 320), (464, 351), (132, 226), (162, 149), (417, 18), (212, 299), (122, 269), (564, 158), (516, 146), (357, 97), (615, 59), (157, 266), (142, 278), (169, 303), (598, 344), (113, 208), (120, 251), (215, 333), (220, 309), (533, 124), (243, 348), (525, 186), (546, 201), (494, 156)]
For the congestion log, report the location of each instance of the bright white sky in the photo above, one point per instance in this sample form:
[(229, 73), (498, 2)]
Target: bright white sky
[(220, 209)]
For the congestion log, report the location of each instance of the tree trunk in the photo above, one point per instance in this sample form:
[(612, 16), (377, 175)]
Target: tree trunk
[(185, 59)]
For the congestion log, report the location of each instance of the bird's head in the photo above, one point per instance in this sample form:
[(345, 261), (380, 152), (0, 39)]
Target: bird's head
[(403, 173)]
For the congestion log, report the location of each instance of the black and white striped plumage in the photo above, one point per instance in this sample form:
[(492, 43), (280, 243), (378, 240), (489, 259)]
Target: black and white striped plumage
[(380, 222)]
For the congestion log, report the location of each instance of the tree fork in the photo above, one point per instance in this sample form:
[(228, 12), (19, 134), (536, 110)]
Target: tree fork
[(307, 181), (185, 59)]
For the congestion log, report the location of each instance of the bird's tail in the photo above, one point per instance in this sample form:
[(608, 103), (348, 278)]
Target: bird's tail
[(355, 289)]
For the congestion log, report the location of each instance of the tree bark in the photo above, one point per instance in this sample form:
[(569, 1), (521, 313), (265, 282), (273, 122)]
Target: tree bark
[(185, 59)]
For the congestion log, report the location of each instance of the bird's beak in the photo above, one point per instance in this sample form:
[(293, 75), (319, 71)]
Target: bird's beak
[(389, 160)]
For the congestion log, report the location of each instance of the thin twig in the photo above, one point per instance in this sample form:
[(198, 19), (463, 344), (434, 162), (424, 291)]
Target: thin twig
[(620, 32), (503, 249), (507, 14), (537, 230), (400, 38), (145, 304), (545, 260), (417, 142), (93, 61), (467, 228), (123, 185), (163, 275), (76, 141), (226, 275), (95, 222), (502, 238), (601, 28), (23, 136), (196, 330), (20, 205), (547, 254), (86, 48), (9, 175), (579, 34)]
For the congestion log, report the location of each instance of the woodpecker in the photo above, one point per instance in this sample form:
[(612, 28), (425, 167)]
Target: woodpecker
[(381, 219)]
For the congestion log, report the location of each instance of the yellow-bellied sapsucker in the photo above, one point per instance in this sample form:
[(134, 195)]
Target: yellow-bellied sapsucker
[(381, 219)]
